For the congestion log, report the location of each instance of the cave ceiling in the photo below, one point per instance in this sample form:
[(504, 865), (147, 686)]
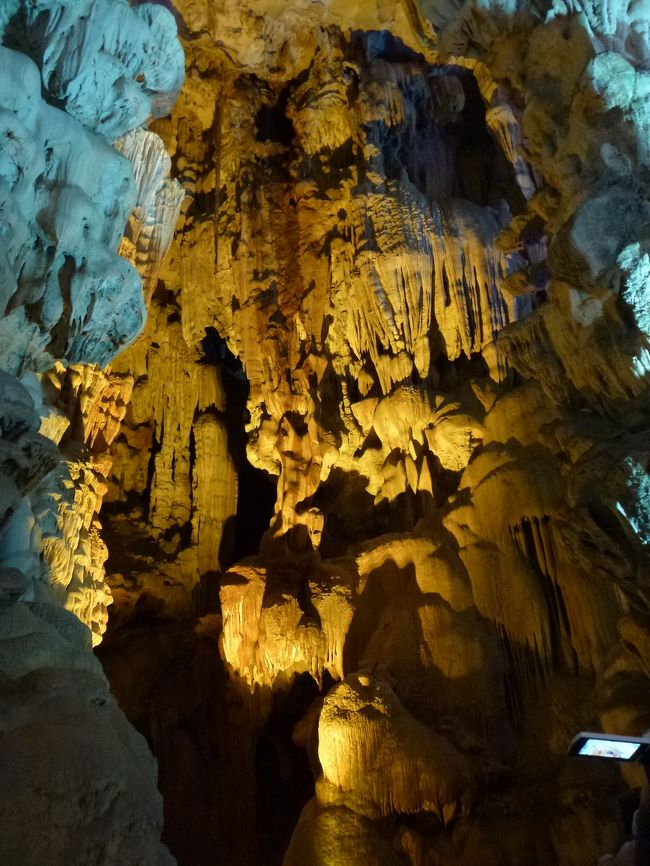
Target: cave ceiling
[(324, 365)]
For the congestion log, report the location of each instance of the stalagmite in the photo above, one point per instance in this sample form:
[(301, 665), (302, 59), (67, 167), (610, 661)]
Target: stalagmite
[(383, 760)]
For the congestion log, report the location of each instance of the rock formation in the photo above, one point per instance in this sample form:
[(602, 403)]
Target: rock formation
[(78, 784), (375, 474)]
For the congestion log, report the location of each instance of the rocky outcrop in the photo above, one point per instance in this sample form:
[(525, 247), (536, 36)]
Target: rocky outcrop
[(73, 78), (73, 765), (419, 228)]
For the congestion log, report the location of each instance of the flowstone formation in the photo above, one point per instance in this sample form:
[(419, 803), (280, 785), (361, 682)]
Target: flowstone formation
[(414, 243), (77, 82)]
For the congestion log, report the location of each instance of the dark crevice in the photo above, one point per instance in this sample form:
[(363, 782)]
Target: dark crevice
[(256, 488), (272, 123), (282, 769)]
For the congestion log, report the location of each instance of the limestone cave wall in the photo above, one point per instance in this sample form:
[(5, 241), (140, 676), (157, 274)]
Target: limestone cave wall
[(80, 178), (374, 478)]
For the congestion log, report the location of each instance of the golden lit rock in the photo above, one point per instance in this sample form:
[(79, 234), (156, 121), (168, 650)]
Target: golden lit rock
[(377, 759)]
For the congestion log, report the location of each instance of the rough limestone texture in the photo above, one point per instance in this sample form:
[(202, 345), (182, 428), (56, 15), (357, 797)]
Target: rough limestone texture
[(77, 783), (413, 239), (73, 767), (419, 227)]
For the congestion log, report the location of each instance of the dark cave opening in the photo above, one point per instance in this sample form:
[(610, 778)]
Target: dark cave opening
[(170, 683), (445, 154), (283, 773), (452, 374), (351, 517), (483, 174), (256, 489), (257, 492), (272, 123)]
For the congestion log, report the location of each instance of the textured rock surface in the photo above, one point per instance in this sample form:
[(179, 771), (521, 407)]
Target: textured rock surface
[(420, 229), (73, 767), (414, 242), (77, 784)]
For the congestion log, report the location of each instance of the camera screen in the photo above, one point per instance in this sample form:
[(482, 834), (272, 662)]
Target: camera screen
[(608, 749)]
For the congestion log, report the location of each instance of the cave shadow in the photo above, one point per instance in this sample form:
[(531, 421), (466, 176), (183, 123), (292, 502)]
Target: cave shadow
[(283, 773), (256, 489), (384, 585)]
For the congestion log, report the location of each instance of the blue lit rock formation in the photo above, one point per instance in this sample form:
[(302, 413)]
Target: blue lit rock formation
[(77, 784)]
